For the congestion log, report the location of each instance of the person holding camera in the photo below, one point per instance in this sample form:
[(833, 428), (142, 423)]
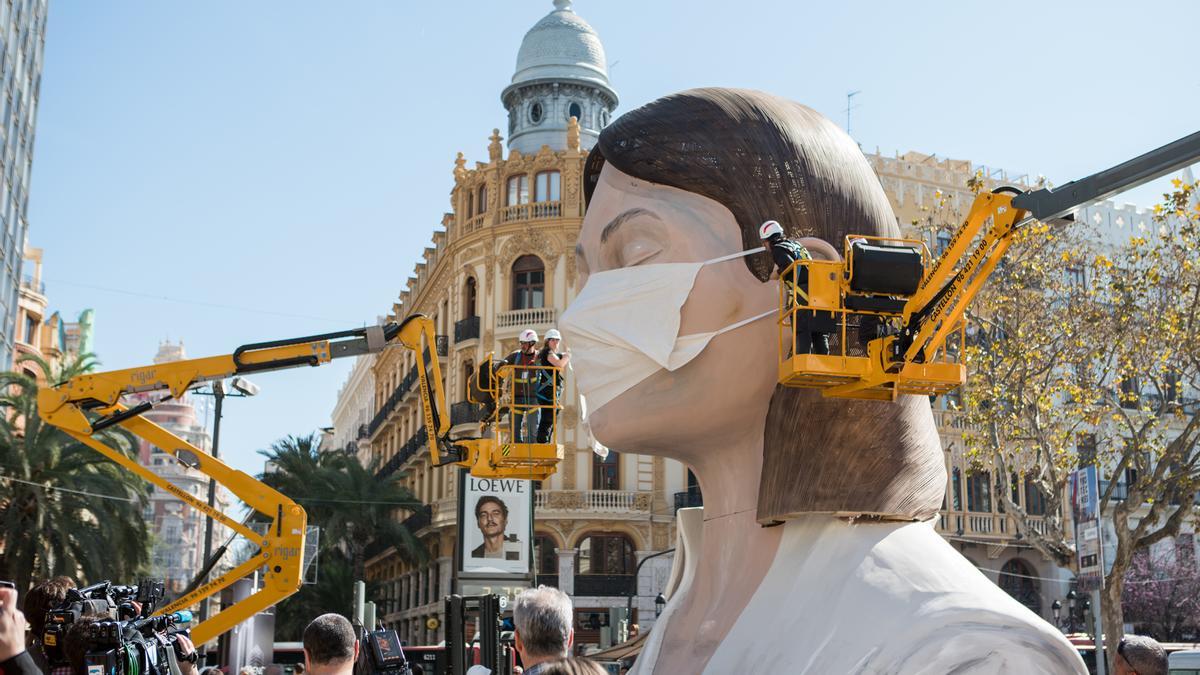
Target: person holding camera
[(48, 595), (14, 657)]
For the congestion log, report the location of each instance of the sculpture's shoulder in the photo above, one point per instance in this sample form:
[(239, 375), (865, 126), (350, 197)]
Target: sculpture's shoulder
[(976, 641)]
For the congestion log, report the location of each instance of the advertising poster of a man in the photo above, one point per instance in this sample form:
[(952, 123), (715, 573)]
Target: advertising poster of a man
[(491, 515), (496, 525)]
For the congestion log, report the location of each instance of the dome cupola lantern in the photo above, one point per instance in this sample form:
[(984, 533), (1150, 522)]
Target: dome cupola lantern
[(561, 73)]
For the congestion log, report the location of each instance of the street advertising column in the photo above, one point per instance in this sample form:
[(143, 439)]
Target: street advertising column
[(1089, 544), (495, 542)]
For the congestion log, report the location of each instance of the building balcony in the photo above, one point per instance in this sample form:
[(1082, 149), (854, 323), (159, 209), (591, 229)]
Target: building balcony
[(981, 525), (474, 223), (534, 211), (621, 585), (467, 329), (465, 412), (524, 318), (689, 499), (577, 503)]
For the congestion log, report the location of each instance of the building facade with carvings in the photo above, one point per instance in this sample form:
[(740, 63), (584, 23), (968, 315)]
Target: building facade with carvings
[(502, 262)]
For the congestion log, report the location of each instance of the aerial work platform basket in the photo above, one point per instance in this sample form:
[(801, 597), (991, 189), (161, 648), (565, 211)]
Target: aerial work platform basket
[(856, 304), (510, 396)]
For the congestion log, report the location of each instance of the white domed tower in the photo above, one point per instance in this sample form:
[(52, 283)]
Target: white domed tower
[(561, 73)]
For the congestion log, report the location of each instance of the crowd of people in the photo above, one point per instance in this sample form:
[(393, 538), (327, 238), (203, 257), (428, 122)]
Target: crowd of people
[(542, 617)]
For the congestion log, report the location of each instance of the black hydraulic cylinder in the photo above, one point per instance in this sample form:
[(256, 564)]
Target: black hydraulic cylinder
[(1050, 203)]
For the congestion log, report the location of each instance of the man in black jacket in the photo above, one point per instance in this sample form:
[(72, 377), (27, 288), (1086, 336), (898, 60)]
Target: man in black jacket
[(785, 252)]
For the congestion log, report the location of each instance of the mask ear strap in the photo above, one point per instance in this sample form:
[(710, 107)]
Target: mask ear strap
[(737, 325), (739, 254)]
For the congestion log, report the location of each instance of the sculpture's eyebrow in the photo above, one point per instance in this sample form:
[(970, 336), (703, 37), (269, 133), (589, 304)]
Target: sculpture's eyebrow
[(615, 224)]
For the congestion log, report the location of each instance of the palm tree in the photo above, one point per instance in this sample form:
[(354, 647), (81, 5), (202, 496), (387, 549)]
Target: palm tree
[(64, 508), (368, 510), (345, 499)]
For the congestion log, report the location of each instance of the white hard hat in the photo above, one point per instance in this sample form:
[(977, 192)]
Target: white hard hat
[(553, 334), (528, 335), (769, 229)]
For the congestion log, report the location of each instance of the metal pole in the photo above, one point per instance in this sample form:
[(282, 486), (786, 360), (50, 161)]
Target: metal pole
[(1098, 620), (219, 394)]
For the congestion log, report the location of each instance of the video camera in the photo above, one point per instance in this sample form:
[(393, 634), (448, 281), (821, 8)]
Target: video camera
[(123, 639), (384, 654)]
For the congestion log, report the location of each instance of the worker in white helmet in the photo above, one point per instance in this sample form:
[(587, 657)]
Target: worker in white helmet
[(550, 386), (785, 252), (525, 411)]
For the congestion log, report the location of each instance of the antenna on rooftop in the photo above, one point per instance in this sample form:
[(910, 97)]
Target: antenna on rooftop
[(849, 106)]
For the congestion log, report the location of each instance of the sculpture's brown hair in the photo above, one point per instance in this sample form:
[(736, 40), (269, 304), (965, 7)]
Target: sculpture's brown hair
[(767, 158)]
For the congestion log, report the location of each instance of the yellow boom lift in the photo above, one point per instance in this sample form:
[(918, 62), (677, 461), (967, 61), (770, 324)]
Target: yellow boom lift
[(88, 404), (898, 318)]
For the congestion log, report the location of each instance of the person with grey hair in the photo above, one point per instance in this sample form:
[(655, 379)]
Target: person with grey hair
[(544, 620), (330, 646), (1140, 655)]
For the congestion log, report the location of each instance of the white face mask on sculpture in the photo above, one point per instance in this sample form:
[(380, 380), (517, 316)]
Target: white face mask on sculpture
[(624, 326)]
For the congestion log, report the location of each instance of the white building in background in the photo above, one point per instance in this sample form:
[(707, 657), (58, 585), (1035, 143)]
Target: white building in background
[(353, 411), (178, 529)]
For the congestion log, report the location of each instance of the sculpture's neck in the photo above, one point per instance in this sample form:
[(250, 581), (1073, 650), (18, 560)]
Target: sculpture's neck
[(734, 555)]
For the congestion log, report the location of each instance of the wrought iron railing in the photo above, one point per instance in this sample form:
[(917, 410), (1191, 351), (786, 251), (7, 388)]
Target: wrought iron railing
[(406, 451), (442, 343), (605, 584), (467, 329), (465, 412), (685, 500)]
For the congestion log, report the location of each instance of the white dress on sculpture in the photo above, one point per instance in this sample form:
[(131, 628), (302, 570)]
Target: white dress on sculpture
[(874, 598)]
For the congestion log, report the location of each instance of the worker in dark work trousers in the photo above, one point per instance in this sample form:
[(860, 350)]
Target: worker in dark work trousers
[(784, 252), (525, 414), (550, 385)]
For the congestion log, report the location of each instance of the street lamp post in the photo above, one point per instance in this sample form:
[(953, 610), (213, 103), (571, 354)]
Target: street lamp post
[(245, 388), (1071, 597), (1056, 606)]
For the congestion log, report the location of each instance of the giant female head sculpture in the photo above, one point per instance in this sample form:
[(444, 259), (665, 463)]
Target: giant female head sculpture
[(687, 179)]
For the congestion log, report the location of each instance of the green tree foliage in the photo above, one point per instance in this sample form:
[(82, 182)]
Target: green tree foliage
[(1085, 349), (354, 509), (64, 508)]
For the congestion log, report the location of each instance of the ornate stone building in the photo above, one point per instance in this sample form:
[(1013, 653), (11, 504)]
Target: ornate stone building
[(504, 261)]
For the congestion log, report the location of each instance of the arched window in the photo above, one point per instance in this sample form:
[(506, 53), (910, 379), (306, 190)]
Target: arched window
[(606, 471), (481, 205), (545, 555), (518, 190), (470, 204), (956, 488), (528, 283), (575, 111), (546, 187), (1017, 579), (469, 294), (609, 553)]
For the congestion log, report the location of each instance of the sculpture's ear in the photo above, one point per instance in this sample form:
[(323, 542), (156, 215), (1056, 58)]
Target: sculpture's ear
[(821, 249)]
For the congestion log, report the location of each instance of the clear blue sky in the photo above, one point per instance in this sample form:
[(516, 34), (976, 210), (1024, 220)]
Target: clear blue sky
[(229, 172)]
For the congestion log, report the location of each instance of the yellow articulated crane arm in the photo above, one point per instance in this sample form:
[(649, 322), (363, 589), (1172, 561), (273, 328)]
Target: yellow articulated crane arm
[(893, 313), (87, 404)]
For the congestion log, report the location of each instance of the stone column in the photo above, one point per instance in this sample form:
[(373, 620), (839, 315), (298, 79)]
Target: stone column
[(566, 570)]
